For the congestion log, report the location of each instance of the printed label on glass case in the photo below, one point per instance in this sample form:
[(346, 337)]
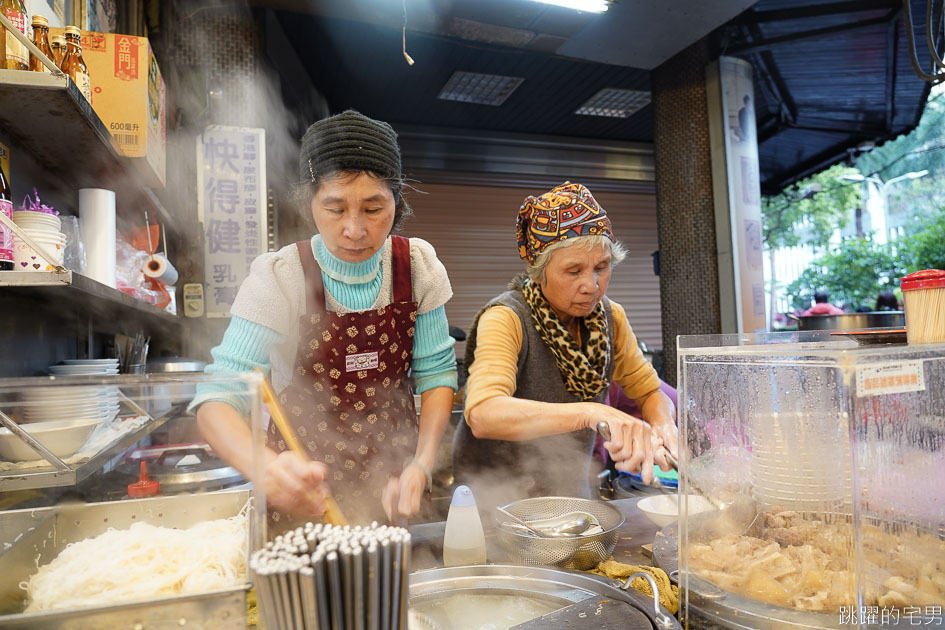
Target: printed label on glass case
[(891, 378)]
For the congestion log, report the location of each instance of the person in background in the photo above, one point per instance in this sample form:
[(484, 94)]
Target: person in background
[(822, 306), (886, 301), (540, 358), (341, 318)]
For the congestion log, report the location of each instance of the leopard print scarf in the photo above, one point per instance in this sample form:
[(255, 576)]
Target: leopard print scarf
[(583, 372)]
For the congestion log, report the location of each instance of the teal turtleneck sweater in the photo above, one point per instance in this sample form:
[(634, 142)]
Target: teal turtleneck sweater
[(246, 344)]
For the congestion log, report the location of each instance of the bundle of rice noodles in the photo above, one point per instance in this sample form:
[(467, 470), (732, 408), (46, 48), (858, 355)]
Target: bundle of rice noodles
[(143, 562)]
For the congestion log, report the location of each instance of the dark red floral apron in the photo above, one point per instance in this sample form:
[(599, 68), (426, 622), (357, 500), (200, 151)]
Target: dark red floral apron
[(350, 399)]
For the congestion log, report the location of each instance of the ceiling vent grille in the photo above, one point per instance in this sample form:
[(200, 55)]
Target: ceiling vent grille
[(482, 89), (614, 103)]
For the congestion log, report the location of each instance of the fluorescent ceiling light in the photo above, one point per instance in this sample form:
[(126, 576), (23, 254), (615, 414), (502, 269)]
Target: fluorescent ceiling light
[(482, 89), (614, 103), (592, 6)]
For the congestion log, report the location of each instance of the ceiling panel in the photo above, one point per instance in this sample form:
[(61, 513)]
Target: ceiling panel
[(645, 33), (375, 79), (829, 74)]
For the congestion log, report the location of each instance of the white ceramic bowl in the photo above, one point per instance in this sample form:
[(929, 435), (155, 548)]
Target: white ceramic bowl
[(37, 219), (663, 509), (63, 438)]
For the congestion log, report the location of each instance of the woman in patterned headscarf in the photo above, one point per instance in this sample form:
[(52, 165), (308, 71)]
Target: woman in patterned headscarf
[(540, 358), (341, 318)]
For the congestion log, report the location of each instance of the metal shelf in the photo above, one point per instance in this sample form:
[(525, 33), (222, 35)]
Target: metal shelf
[(49, 284), (51, 119), (49, 477)]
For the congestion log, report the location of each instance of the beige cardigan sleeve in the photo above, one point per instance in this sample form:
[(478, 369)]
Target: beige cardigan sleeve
[(495, 367), (631, 369)]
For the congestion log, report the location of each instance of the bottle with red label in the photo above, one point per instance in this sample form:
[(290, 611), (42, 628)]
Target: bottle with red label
[(74, 65), (15, 55), (6, 235)]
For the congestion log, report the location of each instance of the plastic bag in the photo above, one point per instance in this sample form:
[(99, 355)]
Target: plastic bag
[(129, 276), (74, 256)]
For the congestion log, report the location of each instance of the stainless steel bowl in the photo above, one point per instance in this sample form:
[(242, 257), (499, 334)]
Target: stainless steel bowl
[(171, 389), (580, 552)]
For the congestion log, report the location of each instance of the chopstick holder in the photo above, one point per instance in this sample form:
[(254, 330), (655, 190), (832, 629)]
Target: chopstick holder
[(333, 514)]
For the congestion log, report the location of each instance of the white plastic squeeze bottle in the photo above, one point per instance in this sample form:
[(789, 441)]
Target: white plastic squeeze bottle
[(463, 542)]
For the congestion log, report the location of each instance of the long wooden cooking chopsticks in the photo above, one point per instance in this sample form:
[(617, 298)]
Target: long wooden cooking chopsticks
[(333, 514)]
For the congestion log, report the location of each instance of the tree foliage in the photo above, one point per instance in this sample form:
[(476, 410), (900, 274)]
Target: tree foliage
[(922, 148), (856, 270), (853, 273), (924, 248), (789, 220)]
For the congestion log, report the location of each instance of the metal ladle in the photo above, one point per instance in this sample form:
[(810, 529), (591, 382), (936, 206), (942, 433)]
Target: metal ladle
[(566, 525), (570, 525), (521, 522)]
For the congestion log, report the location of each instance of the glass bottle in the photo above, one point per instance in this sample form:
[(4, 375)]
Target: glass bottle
[(6, 235), (41, 39), (59, 48), (15, 56), (74, 65)]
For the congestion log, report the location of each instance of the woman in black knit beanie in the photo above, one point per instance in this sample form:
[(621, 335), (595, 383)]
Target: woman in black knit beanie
[(352, 323)]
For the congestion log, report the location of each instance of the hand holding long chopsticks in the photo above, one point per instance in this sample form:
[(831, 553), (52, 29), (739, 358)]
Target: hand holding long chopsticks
[(333, 513)]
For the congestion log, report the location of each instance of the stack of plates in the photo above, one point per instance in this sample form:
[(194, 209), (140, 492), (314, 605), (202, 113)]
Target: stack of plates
[(74, 402), (801, 461), (85, 367)]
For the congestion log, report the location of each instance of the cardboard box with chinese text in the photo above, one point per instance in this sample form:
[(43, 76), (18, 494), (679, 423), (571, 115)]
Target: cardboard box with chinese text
[(128, 95)]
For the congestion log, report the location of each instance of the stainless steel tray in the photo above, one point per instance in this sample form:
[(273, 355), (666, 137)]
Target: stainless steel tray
[(36, 536)]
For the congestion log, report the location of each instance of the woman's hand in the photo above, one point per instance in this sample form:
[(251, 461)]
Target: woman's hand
[(658, 410), (665, 435), (402, 494), (631, 440), (295, 485)]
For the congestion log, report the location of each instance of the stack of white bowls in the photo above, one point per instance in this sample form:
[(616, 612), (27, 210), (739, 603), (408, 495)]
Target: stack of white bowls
[(801, 460), (74, 402), (44, 229)]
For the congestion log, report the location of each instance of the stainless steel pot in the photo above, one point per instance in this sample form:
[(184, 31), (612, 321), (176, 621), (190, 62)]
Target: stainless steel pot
[(172, 391), (175, 365), (851, 321), (556, 587)]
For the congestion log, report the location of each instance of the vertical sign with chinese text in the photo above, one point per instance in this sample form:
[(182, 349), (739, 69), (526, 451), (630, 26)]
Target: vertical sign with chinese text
[(231, 207), (737, 194)]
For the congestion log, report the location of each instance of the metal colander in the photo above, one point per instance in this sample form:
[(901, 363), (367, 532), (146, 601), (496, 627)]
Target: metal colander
[(580, 552)]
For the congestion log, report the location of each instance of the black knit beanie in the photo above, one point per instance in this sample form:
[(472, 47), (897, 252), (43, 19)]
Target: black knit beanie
[(349, 141)]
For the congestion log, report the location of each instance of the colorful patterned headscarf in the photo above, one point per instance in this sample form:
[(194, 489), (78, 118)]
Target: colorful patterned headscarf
[(566, 211)]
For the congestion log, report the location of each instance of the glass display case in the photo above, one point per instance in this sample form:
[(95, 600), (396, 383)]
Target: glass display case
[(827, 458), (88, 542)]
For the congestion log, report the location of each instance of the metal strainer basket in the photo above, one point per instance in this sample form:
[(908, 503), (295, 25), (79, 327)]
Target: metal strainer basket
[(580, 552)]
